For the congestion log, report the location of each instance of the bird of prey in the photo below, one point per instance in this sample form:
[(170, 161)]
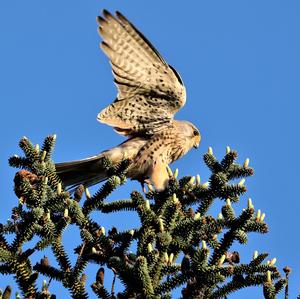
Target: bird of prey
[(150, 92)]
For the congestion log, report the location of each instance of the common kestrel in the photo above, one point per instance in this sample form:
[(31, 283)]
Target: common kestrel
[(150, 92)]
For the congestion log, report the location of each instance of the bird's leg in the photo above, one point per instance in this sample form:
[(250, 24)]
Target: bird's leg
[(148, 183), (159, 176), (143, 186)]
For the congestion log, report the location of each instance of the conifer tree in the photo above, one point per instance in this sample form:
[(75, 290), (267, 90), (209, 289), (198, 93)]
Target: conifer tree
[(179, 244)]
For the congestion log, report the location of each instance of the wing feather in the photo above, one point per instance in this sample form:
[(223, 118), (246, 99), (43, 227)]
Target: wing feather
[(150, 91)]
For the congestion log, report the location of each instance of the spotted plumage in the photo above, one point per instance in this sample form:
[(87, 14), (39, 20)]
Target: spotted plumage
[(150, 92)]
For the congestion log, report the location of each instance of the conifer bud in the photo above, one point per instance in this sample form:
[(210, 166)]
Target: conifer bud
[(48, 216), (204, 246), (166, 257), (222, 260), (169, 170), (103, 230), (149, 247), (210, 151), (255, 254), (198, 180), (269, 278), (54, 137), (59, 188), (176, 173), (66, 213), (258, 214), (171, 258), (44, 154), (44, 285), (262, 217), (197, 216), (250, 204), (147, 204), (246, 163), (241, 183), (37, 148), (94, 251), (205, 185), (192, 180), (161, 225), (220, 216), (131, 232), (228, 202), (46, 180), (273, 261), (227, 149), (175, 199), (87, 193)]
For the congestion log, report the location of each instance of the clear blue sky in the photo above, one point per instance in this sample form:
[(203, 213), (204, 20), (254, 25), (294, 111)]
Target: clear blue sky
[(240, 61)]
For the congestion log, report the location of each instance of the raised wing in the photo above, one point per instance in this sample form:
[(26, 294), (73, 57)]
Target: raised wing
[(150, 91)]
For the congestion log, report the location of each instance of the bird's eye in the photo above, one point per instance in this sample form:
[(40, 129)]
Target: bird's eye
[(196, 133)]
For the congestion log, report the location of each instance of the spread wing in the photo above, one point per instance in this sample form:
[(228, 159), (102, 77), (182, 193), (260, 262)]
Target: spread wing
[(150, 91)]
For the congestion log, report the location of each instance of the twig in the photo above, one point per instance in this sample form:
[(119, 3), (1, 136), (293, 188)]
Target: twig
[(113, 282), (287, 270)]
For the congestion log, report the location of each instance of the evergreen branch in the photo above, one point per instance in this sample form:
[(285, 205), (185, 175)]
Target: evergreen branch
[(49, 271), (117, 206), (238, 282), (100, 291), (96, 201), (169, 227), (171, 283), (5, 269), (48, 147), (60, 254), (143, 278)]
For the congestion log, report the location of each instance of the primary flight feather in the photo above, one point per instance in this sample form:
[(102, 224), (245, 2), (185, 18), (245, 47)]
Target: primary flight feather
[(150, 92)]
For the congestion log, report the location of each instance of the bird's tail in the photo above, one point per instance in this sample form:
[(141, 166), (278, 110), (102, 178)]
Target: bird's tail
[(91, 171), (87, 172)]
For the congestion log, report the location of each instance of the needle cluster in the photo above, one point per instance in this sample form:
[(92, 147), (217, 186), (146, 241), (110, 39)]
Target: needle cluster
[(179, 244)]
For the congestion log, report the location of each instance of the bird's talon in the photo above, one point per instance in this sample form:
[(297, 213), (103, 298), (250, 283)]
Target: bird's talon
[(149, 185)]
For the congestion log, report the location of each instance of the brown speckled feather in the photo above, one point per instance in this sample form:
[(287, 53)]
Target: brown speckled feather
[(150, 91)]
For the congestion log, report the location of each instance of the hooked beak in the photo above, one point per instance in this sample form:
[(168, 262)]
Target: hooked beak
[(197, 141)]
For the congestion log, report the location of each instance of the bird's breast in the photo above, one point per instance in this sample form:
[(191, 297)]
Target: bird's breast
[(163, 148)]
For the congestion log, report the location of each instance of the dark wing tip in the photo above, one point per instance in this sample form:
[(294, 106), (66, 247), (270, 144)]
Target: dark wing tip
[(106, 13), (99, 30), (123, 20), (120, 16), (104, 45), (176, 74), (100, 20)]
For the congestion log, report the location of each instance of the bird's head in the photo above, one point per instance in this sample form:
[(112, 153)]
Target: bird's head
[(190, 132)]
